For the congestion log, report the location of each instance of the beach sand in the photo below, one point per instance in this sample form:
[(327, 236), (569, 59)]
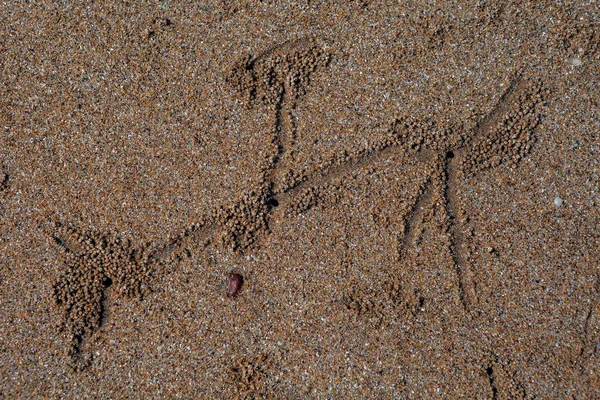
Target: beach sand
[(408, 192)]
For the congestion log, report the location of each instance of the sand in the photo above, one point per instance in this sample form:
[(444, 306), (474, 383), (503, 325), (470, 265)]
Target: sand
[(407, 192)]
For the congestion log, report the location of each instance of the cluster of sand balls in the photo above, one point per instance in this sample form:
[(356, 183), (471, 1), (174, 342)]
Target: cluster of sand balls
[(416, 135), (311, 197), (249, 375), (375, 305), (286, 69), (94, 262), (245, 220), (577, 35), (512, 138), (292, 178)]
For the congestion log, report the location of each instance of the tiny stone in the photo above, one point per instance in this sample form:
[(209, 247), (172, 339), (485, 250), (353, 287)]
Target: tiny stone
[(576, 62), (234, 284), (558, 202)]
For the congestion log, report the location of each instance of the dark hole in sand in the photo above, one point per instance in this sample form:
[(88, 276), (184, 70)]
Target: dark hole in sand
[(272, 202)]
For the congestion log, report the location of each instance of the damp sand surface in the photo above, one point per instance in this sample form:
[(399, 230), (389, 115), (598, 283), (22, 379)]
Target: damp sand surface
[(264, 199)]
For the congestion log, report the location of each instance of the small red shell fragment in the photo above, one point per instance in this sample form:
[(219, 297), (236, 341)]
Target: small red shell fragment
[(234, 284)]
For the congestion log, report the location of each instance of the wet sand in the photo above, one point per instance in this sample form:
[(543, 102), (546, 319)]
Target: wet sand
[(406, 196)]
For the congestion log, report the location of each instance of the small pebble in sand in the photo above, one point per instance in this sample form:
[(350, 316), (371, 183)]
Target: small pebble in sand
[(558, 202), (234, 284), (576, 62)]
